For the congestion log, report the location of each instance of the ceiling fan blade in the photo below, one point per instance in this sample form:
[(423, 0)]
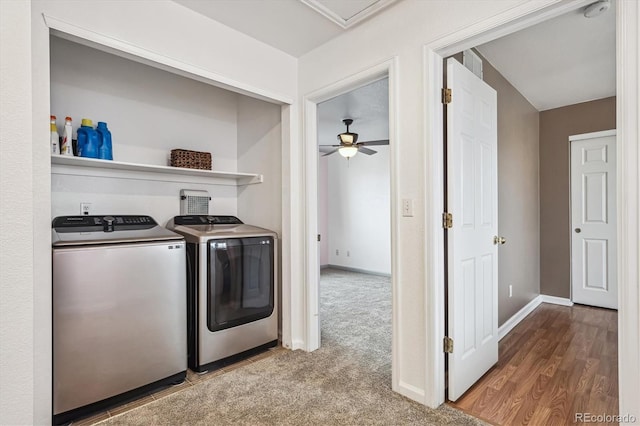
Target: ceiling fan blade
[(330, 145), (367, 151), (325, 148), (331, 152), (378, 142)]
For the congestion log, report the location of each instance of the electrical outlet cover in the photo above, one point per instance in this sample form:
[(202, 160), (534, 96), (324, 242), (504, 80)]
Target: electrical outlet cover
[(85, 209)]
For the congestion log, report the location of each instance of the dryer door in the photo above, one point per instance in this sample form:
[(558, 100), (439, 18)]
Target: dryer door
[(240, 287)]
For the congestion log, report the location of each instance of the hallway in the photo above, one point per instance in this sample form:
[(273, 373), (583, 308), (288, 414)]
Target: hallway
[(559, 362)]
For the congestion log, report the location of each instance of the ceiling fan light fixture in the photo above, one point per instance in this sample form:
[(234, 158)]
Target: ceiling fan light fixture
[(348, 151), (348, 138)]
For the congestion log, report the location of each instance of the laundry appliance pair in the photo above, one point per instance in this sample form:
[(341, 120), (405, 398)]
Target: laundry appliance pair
[(135, 303)]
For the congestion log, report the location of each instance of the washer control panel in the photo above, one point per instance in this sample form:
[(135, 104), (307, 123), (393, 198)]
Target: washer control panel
[(191, 220), (107, 223)]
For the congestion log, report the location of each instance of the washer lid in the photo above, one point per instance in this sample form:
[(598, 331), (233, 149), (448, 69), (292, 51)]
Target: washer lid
[(200, 228), (110, 229)]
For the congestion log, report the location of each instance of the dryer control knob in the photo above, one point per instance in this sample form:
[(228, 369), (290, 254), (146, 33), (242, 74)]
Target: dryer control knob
[(108, 223)]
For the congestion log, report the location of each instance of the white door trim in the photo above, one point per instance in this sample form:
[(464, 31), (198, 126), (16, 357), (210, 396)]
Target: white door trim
[(388, 69), (628, 203), (628, 93)]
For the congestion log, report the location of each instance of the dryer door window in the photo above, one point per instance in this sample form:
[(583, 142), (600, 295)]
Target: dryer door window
[(241, 281)]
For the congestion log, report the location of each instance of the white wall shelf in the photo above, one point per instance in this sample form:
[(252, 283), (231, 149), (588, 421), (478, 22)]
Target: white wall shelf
[(80, 166)]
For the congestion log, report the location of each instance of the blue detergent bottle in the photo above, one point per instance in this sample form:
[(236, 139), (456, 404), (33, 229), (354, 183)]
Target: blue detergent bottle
[(88, 142), (105, 151)]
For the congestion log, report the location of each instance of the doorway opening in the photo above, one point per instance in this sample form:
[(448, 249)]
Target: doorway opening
[(354, 225), (360, 185), (506, 289)]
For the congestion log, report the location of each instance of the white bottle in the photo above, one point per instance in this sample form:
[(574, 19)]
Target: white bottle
[(55, 138), (66, 148)]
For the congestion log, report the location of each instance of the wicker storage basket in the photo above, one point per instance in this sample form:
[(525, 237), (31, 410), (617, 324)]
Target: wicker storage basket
[(190, 159)]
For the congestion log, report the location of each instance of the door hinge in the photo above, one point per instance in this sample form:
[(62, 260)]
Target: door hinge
[(448, 344), (446, 96), (319, 237), (447, 220)]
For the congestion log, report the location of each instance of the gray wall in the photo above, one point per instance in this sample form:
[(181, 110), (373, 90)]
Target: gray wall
[(518, 196), (556, 125)]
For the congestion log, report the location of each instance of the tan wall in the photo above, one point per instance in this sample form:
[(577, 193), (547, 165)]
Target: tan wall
[(556, 125), (518, 195), (533, 190)]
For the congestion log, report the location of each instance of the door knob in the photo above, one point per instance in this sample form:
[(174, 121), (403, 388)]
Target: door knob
[(578, 230), (499, 240)]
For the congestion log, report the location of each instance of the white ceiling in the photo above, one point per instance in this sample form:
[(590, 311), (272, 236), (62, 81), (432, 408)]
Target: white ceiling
[(563, 61), (293, 26), (368, 106)]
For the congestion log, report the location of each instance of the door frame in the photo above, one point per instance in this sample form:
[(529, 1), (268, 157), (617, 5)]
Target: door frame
[(576, 138), (310, 102), (627, 92)]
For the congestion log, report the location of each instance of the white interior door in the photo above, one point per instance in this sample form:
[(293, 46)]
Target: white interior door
[(472, 198), (593, 219)]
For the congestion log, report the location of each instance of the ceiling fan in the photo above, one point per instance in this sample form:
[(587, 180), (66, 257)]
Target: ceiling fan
[(349, 144)]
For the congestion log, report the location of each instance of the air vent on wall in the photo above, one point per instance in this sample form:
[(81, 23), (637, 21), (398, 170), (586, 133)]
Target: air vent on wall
[(194, 202), (473, 62)]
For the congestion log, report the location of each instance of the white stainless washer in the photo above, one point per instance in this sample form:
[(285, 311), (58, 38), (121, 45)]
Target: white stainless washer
[(231, 289), (119, 311)]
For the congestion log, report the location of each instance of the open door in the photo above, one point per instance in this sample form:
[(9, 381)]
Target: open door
[(472, 200)]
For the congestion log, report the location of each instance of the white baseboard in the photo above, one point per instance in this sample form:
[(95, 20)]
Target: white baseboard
[(556, 300), (361, 271), (505, 328), (298, 344), (509, 324), (410, 391)]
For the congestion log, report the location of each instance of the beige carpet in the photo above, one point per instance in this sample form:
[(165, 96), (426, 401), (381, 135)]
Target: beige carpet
[(346, 382)]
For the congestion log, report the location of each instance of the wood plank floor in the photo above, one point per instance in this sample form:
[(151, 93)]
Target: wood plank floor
[(557, 362)]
